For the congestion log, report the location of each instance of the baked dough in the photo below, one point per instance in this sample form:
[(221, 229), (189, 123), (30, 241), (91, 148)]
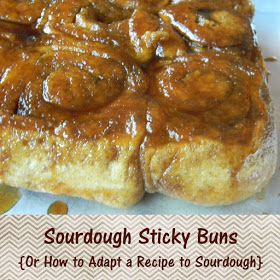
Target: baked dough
[(107, 100)]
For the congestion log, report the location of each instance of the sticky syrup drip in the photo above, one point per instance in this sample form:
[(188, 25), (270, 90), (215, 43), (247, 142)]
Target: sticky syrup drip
[(9, 197), (271, 59), (58, 208)]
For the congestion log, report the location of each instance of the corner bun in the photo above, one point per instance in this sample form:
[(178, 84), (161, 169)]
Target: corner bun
[(109, 99)]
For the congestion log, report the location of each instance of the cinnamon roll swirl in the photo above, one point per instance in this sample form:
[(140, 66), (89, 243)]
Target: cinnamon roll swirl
[(210, 23)]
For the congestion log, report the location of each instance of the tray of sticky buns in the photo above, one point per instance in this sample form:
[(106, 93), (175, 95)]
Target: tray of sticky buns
[(107, 100)]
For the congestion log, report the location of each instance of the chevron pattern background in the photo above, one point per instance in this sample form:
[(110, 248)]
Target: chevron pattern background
[(258, 236)]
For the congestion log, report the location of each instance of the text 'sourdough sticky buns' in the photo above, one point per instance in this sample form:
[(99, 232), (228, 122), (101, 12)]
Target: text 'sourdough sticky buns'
[(108, 99)]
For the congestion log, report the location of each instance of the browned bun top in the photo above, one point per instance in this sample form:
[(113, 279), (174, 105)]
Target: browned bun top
[(98, 64)]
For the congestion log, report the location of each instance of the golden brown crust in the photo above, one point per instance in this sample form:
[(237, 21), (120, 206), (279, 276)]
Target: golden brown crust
[(106, 99), (209, 172), (104, 170)]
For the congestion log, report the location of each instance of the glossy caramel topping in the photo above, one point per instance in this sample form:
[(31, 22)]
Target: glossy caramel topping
[(211, 23), (22, 11), (9, 197), (95, 68), (173, 46), (58, 208)]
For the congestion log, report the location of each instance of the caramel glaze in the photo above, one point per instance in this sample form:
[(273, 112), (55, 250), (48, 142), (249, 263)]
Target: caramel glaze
[(271, 59), (9, 197), (21, 11), (58, 208), (95, 68)]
